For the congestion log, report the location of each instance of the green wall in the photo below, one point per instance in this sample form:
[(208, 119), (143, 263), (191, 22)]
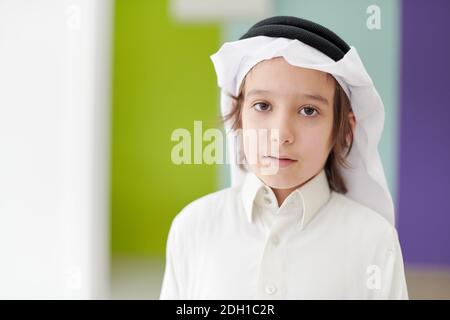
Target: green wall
[(163, 79)]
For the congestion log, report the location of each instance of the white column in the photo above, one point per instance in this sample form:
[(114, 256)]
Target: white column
[(54, 148)]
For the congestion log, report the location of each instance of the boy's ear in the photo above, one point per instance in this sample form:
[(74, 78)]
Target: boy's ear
[(352, 121)]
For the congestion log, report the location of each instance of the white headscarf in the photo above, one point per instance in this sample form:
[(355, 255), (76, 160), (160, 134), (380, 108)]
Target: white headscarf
[(365, 179)]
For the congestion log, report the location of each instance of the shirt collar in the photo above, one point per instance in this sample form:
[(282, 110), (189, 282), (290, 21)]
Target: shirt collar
[(306, 199)]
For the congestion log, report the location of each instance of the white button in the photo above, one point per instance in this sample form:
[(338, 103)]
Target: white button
[(267, 200), (265, 191), (271, 289), (275, 240)]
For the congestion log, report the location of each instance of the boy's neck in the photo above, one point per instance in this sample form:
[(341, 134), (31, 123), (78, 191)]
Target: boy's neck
[(282, 194)]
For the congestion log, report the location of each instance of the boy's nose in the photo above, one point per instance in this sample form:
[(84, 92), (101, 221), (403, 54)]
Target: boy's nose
[(285, 138), (285, 133)]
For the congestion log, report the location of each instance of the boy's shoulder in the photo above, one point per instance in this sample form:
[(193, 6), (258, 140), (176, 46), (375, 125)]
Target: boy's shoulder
[(357, 217)]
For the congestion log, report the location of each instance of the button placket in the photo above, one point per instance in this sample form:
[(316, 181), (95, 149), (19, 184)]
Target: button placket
[(270, 274), (271, 269)]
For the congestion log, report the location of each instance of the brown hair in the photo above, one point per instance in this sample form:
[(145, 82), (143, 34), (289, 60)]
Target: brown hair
[(341, 129)]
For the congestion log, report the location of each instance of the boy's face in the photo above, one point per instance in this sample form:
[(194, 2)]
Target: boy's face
[(299, 103)]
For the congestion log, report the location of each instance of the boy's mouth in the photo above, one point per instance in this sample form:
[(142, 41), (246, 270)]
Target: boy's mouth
[(280, 157), (280, 161)]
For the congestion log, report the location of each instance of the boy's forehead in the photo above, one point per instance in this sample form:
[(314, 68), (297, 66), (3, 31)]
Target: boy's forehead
[(278, 75), (278, 65)]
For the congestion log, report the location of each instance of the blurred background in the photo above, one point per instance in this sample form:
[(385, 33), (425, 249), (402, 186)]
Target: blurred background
[(91, 91)]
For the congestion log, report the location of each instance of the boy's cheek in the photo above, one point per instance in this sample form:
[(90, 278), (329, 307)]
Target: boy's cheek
[(253, 122)]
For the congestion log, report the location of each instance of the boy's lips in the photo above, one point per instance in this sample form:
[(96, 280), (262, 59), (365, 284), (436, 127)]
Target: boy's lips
[(281, 157), (280, 161)]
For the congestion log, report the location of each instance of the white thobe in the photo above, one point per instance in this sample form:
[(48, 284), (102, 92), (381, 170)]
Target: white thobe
[(237, 243)]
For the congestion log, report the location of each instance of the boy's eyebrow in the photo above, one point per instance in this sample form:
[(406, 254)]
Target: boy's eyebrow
[(316, 97)]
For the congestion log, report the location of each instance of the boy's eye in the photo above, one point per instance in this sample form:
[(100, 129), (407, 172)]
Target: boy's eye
[(262, 107), (308, 111)]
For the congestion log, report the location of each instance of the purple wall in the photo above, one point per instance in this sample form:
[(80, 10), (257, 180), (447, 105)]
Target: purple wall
[(424, 168)]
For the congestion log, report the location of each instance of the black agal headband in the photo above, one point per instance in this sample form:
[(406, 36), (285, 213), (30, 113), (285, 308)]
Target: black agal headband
[(308, 32)]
